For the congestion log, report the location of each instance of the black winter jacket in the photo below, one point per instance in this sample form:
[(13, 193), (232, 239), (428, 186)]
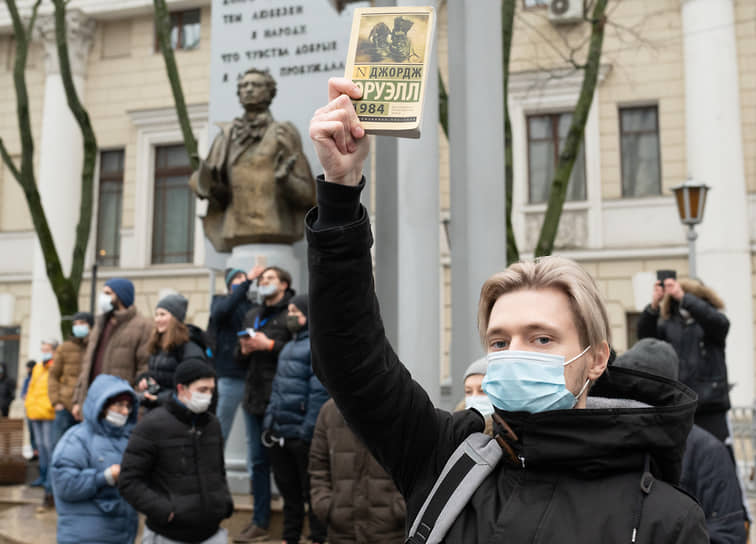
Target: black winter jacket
[(261, 365), (700, 346), (708, 474), (174, 463), (226, 318), (162, 366), (7, 390), (574, 476)]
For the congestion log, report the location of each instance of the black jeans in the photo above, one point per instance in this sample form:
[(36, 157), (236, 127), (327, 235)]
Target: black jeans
[(289, 463)]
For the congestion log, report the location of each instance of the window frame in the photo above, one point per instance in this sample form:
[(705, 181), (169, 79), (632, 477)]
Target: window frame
[(537, 6), (179, 14), (554, 117), (657, 132), (168, 172), (110, 177)]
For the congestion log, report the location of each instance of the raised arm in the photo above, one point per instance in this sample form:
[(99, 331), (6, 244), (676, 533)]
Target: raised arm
[(351, 355)]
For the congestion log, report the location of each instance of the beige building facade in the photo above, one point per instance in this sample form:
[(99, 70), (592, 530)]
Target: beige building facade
[(620, 222)]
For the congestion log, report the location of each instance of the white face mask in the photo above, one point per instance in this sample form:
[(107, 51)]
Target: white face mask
[(199, 402), (117, 419), (267, 290), (481, 403), (104, 303)]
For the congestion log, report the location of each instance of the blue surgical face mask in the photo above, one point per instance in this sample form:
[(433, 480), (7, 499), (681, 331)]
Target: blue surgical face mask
[(529, 381), (80, 331), (47, 356), (267, 290), (481, 403)]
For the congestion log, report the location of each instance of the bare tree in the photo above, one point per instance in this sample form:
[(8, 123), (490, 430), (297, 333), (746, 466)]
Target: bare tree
[(65, 288), (163, 30), (574, 138)]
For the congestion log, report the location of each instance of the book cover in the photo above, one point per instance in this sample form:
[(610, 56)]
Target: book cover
[(389, 52)]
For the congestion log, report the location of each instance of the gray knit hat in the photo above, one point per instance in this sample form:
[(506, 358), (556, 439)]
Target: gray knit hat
[(301, 302), (479, 366), (653, 356), (175, 304)]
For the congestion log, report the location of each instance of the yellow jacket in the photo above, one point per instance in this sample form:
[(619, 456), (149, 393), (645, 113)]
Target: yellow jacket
[(37, 401)]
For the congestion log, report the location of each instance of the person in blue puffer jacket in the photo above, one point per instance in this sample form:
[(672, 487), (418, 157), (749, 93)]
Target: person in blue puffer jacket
[(86, 465), (289, 422)]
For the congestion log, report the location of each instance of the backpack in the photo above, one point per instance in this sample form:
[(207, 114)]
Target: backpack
[(472, 461)]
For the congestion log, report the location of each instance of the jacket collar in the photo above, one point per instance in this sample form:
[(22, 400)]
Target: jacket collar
[(597, 441), (184, 414)]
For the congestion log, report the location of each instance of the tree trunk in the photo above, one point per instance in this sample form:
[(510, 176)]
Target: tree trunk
[(163, 29), (88, 166), (507, 24), (575, 136)]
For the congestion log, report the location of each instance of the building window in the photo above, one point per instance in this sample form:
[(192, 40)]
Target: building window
[(10, 338), (631, 320), (535, 3), (546, 136), (641, 162), (173, 215), (109, 209), (185, 30)]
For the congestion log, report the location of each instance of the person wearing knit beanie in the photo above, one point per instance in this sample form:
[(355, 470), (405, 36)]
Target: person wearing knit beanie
[(123, 289), (191, 371), (231, 275), (653, 356), (175, 304)]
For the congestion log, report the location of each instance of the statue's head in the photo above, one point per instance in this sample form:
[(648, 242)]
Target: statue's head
[(256, 89)]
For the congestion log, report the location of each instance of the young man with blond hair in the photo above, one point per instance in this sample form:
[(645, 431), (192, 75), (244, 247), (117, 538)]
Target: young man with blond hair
[(574, 468)]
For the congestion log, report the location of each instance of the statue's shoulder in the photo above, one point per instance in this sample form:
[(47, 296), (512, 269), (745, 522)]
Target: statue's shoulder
[(286, 129)]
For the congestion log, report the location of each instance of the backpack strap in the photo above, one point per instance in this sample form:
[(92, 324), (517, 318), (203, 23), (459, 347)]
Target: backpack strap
[(472, 461)]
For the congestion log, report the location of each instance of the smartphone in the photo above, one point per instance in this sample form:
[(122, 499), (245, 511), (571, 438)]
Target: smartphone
[(261, 260), (662, 275), (246, 332)]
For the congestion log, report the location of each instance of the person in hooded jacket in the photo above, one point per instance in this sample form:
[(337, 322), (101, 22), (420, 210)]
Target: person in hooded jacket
[(64, 373), (289, 422), (171, 343), (7, 390), (264, 336), (707, 471), (687, 314), (574, 468), (86, 466)]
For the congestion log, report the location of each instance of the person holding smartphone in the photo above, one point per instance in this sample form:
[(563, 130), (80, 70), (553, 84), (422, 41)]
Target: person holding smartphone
[(687, 314)]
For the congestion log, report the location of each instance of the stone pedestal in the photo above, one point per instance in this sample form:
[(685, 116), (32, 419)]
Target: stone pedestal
[(245, 257)]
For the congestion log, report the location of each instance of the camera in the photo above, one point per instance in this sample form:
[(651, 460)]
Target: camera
[(662, 275), (153, 388)]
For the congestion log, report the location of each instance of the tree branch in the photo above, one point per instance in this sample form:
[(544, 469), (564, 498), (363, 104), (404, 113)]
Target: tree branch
[(9, 162), (163, 28), (89, 144), (507, 30), (574, 138)]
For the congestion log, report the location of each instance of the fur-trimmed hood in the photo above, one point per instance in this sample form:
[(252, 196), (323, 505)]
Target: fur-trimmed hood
[(696, 288)]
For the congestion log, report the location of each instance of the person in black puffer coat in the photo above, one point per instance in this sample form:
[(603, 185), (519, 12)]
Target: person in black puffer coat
[(173, 470), (172, 343), (687, 315), (289, 423), (567, 468), (707, 469)]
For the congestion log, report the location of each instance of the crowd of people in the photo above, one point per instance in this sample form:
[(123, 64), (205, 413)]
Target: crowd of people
[(557, 440)]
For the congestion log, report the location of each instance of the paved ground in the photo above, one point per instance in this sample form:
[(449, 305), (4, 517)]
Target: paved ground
[(22, 522)]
